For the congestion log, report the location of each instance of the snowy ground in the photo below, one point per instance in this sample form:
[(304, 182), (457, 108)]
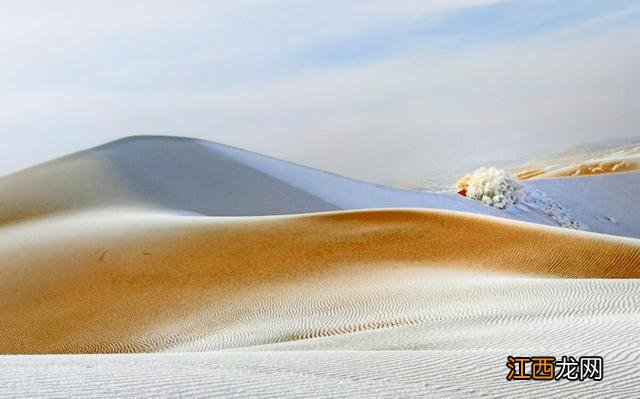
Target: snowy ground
[(606, 203), (459, 354)]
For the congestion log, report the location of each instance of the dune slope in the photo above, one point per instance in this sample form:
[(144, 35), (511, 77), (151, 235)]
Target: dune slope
[(199, 177), (136, 282), (605, 203)]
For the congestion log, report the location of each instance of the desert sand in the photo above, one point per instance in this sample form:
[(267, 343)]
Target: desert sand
[(617, 160), (120, 282), (148, 273), (445, 335)]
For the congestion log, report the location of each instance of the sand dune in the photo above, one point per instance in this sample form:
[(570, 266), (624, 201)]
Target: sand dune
[(137, 282), (188, 176), (409, 331), (199, 177), (616, 160), (582, 169)]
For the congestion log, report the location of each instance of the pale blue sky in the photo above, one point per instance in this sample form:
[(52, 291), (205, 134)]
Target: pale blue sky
[(380, 90)]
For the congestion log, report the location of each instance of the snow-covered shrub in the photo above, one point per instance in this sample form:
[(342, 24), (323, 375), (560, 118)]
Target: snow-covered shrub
[(494, 187)]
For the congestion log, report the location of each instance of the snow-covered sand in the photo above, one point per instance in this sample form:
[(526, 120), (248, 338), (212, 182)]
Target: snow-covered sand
[(200, 177), (464, 328), (213, 258), (181, 175), (585, 163), (604, 203)]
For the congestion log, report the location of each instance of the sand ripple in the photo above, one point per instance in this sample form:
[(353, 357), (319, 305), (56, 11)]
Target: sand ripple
[(121, 282)]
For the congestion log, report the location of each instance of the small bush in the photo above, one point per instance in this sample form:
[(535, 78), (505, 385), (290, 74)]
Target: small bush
[(494, 187)]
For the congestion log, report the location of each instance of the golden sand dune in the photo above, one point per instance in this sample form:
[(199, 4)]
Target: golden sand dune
[(623, 159), (530, 173), (596, 167), (132, 281), (582, 169)]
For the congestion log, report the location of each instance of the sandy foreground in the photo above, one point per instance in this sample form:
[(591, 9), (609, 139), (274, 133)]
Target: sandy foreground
[(368, 303), (136, 282)]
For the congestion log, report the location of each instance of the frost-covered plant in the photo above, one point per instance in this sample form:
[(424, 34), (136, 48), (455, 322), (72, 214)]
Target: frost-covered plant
[(494, 187)]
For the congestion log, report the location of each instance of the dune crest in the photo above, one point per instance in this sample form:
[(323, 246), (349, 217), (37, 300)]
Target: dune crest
[(203, 178)]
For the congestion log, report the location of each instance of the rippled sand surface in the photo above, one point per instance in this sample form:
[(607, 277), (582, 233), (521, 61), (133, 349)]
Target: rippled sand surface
[(140, 282)]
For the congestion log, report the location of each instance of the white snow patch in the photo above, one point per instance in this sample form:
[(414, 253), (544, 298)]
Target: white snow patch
[(542, 202)]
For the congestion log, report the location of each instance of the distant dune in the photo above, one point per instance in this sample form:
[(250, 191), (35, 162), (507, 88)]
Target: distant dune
[(616, 160), (295, 281)]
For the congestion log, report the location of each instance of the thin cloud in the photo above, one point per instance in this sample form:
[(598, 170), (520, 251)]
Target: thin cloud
[(271, 77)]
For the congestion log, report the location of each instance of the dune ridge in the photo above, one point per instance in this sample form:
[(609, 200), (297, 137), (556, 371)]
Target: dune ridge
[(130, 281), (189, 176), (203, 178)]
